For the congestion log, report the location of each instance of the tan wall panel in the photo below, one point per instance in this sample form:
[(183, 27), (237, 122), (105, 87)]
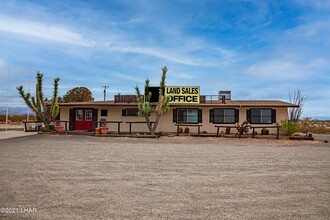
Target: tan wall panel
[(166, 123), (64, 115)]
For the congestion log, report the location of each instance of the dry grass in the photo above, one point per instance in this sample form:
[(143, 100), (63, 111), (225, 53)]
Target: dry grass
[(319, 130)]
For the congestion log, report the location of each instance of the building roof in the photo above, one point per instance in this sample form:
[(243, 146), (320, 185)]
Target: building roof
[(252, 103), (208, 103)]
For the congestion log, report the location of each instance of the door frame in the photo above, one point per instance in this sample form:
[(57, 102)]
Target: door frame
[(73, 113)]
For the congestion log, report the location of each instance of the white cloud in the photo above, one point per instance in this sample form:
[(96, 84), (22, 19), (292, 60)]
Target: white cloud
[(252, 21), (319, 4), (159, 54), (4, 71), (41, 30), (2, 63), (127, 77), (57, 33), (314, 31), (208, 55), (284, 69)]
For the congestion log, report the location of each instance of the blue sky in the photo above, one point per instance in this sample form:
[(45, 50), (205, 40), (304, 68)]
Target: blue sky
[(258, 49)]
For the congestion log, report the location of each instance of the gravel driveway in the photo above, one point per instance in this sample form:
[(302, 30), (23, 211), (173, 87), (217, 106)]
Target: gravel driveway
[(80, 177)]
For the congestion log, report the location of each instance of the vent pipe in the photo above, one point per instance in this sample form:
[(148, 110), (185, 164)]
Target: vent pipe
[(223, 99)]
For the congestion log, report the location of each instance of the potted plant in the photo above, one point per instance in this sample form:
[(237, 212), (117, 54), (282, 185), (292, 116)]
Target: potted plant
[(97, 131), (58, 127), (104, 129)]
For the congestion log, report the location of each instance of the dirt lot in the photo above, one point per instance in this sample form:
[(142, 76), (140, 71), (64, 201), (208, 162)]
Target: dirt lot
[(80, 177)]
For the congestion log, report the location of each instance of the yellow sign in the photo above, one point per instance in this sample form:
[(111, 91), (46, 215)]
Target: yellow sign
[(183, 94)]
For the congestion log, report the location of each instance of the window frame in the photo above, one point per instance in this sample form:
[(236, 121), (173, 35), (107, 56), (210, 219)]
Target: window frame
[(102, 111), (213, 115), (177, 115), (90, 115), (126, 110), (81, 113), (261, 121)]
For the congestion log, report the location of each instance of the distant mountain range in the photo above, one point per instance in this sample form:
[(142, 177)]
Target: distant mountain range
[(15, 111), (321, 118)]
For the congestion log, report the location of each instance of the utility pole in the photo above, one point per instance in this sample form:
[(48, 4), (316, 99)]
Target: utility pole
[(28, 108), (7, 100), (105, 91)]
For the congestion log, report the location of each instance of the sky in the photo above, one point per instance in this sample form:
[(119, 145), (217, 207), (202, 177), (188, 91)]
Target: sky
[(258, 49)]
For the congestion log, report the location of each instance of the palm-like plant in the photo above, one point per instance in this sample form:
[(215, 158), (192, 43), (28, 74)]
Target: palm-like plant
[(46, 111), (145, 108)]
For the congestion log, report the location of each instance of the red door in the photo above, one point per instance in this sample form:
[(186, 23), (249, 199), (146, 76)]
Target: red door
[(84, 119)]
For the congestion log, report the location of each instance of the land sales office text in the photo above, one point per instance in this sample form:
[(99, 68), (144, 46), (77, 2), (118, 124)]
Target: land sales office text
[(183, 94)]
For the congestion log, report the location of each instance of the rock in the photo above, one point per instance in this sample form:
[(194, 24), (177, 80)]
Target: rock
[(264, 131)]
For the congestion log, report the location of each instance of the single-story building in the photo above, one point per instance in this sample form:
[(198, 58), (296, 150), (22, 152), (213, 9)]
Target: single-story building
[(207, 113)]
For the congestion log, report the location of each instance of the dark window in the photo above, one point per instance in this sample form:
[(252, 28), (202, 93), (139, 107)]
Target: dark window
[(262, 116), (154, 93), (188, 116), (224, 116), (104, 112), (130, 112)]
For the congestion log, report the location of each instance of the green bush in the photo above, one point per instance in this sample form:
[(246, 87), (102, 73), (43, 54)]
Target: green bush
[(289, 127)]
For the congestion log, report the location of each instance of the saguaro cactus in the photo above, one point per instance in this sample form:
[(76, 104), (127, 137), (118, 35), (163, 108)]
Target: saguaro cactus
[(146, 109), (45, 111)]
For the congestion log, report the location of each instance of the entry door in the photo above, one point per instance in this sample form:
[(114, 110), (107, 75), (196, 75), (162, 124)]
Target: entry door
[(84, 119)]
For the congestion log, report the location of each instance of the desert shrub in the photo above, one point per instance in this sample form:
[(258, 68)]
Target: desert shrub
[(316, 127), (319, 130), (289, 127), (16, 118), (44, 129)]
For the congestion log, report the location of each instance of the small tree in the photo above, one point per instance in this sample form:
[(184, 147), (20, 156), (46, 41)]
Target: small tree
[(78, 94), (45, 110), (145, 108), (289, 127), (298, 99)]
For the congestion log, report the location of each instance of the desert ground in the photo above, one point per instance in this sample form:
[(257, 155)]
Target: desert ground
[(83, 177)]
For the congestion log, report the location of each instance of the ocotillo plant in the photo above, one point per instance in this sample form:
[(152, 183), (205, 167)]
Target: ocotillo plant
[(146, 109), (46, 112)]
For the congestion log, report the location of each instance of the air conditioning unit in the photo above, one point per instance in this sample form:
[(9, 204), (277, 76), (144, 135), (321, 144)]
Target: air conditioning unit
[(226, 93)]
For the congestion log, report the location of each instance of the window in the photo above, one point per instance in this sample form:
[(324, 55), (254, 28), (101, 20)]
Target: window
[(130, 112), (154, 93), (224, 116), (187, 116), (88, 115), (104, 112), (79, 115), (261, 116)]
